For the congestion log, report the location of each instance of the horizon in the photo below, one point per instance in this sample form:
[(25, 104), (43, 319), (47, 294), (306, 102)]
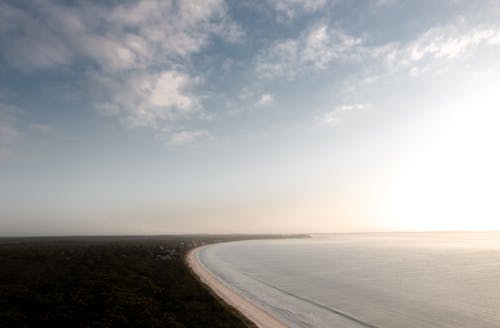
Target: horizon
[(172, 117), (292, 235)]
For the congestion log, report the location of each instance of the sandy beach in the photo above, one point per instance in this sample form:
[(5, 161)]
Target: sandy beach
[(255, 314)]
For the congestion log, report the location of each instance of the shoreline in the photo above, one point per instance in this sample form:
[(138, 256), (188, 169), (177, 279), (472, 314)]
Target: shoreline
[(243, 306)]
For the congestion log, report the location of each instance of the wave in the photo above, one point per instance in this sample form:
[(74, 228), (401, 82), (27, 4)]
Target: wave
[(309, 301)]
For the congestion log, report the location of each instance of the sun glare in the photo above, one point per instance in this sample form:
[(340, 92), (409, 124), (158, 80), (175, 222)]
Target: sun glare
[(453, 183)]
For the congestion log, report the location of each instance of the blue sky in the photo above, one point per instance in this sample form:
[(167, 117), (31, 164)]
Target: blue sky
[(248, 116)]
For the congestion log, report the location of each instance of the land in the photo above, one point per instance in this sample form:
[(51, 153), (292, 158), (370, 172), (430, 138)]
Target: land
[(256, 315), (134, 281)]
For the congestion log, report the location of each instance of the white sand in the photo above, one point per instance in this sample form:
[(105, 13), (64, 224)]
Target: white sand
[(247, 308)]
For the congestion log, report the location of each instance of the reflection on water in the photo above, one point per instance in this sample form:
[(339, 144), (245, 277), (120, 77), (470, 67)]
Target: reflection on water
[(368, 280)]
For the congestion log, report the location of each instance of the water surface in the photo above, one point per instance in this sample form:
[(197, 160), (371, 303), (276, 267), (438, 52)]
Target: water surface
[(368, 280)]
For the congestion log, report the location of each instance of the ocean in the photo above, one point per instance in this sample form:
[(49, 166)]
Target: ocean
[(367, 280)]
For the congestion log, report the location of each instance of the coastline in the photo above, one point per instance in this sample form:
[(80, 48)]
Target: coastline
[(249, 310)]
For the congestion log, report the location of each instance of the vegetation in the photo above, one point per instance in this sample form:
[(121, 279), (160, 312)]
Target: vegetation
[(106, 282)]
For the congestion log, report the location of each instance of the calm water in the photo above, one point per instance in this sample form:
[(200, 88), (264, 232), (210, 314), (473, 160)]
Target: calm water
[(368, 280)]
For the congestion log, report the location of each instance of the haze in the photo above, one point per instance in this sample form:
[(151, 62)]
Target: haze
[(160, 117)]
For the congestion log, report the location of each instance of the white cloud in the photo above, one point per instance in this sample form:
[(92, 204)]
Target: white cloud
[(281, 60), (146, 99), (265, 100), (137, 54), (330, 118), (450, 42), (122, 37), (437, 48), (292, 8), (321, 46), (436, 51), (384, 3), (186, 137), (313, 50), (168, 91), (34, 45), (245, 93), (335, 117)]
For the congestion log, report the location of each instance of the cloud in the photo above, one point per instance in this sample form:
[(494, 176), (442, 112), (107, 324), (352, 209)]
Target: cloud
[(136, 55), (321, 46), (187, 137), (437, 48), (450, 42), (265, 100), (313, 50), (140, 59), (384, 3), (335, 117), (33, 45), (121, 37), (147, 98), (289, 9)]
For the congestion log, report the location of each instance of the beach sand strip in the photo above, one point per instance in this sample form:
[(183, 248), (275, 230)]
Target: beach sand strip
[(251, 311)]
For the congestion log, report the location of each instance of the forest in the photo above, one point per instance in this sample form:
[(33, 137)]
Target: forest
[(107, 282)]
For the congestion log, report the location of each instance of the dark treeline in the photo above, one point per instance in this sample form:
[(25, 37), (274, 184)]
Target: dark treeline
[(106, 282)]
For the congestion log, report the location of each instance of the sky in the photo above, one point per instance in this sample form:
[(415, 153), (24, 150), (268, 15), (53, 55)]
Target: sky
[(159, 117)]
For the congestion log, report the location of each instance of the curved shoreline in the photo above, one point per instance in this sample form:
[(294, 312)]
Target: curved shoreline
[(248, 309)]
